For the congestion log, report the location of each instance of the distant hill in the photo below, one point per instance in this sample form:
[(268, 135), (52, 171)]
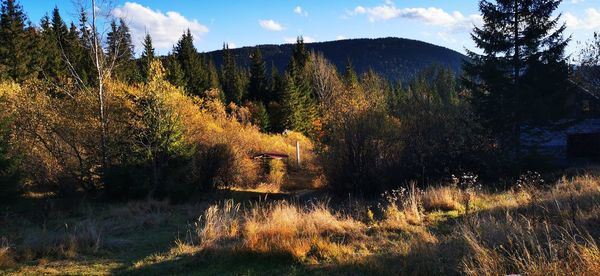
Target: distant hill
[(393, 58)]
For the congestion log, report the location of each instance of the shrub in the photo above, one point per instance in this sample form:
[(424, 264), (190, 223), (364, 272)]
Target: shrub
[(216, 167), (277, 172), (361, 153), (10, 178)]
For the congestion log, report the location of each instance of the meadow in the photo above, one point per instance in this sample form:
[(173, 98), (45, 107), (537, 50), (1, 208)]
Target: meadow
[(532, 228)]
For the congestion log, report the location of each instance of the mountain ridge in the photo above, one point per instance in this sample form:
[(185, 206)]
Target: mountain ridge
[(397, 59)]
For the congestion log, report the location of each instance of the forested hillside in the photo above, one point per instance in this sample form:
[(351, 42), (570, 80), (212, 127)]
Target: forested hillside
[(393, 58)]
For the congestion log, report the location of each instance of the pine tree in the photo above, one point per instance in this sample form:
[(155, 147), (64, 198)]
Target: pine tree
[(257, 87), (191, 63), (147, 56), (522, 75), (14, 57)]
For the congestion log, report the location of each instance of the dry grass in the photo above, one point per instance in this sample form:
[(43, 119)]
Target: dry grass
[(139, 214), (526, 246), (548, 233), (6, 258), (549, 230), (279, 228), (64, 242), (443, 198)]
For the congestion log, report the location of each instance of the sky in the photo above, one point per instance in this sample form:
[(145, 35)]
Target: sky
[(252, 22)]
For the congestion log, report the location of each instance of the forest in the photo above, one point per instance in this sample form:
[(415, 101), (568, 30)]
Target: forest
[(117, 160)]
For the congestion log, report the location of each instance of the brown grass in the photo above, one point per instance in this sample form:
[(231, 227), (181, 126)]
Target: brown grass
[(442, 198), (548, 235), (65, 242), (551, 230), (280, 228), (6, 258)]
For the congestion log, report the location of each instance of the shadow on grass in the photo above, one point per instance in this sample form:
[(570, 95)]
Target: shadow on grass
[(220, 263)]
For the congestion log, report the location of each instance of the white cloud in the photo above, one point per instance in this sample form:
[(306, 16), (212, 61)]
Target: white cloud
[(231, 45), (165, 28), (307, 39), (271, 25), (340, 37), (576, 1), (298, 10), (432, 16), (449, 38), (590, 21)]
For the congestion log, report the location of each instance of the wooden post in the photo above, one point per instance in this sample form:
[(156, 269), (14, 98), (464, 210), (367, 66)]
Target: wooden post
[(298, 154)]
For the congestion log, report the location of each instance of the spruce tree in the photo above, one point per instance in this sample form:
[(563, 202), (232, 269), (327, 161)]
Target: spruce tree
[(231, 78), (213, 79), (121, 52), (276, 85), (147, 56), (522, 75), (175, 73), (191, 65), (86, 67), (350, 76), (52, 66), (299, 105), (257, 87), (14, 57)]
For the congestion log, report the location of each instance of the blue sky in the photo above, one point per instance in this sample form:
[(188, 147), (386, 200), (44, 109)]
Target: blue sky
[(251, 22)]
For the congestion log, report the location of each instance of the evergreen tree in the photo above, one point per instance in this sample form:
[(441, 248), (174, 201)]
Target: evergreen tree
[(257, 87), (276, 85), (74, 52), (299, 54), (350, 76), (52, 61), (86, 67), (213, 74), (260, 116), (299, 105), (59, 28), (175, 73), (522, 75), (191, 64), (121, 52), (147, 56), (14, 57), (231, 78), (299, 108)]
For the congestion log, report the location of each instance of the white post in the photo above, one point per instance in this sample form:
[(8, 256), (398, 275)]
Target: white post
[(298, 154)]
